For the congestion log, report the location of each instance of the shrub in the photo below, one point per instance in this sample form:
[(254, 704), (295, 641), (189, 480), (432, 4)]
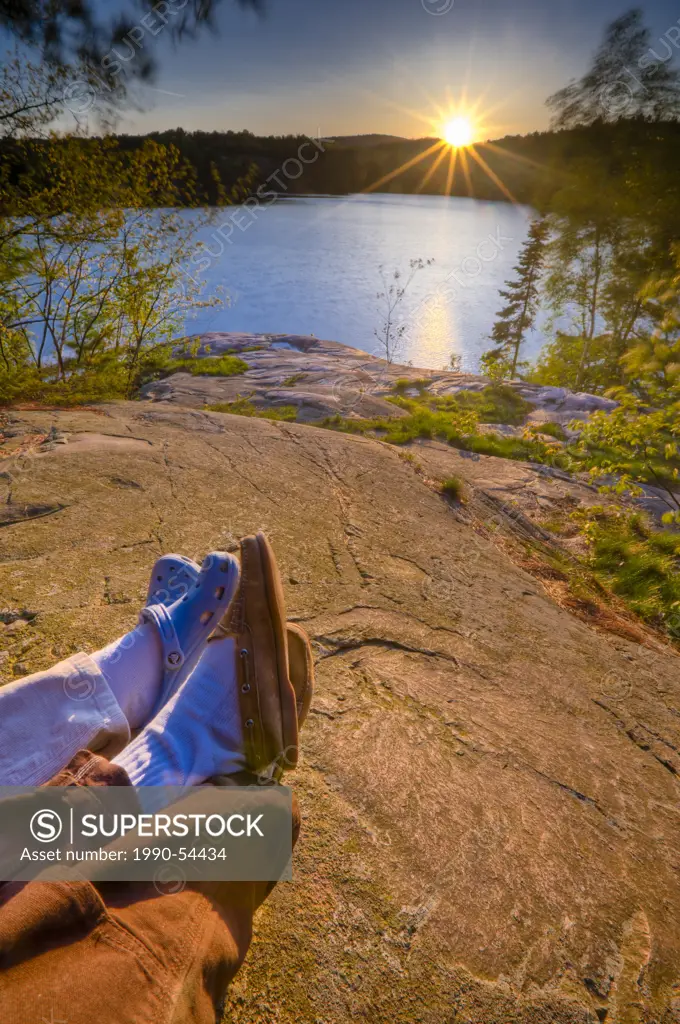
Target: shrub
[(635, 444), (106, 380)]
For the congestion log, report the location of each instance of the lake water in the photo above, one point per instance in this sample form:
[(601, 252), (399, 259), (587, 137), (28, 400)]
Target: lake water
[(311, 266)]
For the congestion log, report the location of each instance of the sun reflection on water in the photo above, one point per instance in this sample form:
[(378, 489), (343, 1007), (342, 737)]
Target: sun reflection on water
[(434, 333)]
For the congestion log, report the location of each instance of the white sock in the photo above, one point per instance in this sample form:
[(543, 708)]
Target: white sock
[(196, 735), (133, 668)]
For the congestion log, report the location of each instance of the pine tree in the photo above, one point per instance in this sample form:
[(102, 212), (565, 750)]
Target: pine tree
[(518, 316)]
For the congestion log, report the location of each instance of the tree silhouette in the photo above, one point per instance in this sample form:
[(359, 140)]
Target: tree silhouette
[(627, 79)]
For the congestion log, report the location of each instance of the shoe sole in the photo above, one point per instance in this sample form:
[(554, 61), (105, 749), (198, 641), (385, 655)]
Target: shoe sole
[(301, 669), (277, 611)]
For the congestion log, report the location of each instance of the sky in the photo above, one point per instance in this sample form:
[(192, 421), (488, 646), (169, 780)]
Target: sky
[(346, 67)]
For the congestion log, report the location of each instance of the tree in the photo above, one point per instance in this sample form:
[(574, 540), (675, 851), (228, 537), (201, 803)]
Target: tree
[(519, 315), (639, 442), (391, 334), (560, 363), (91, 268), (596, 263), (652, 365), (626, 79), (31, 95)]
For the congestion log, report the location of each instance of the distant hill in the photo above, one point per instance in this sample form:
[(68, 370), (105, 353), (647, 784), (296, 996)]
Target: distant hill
[(366, 140)]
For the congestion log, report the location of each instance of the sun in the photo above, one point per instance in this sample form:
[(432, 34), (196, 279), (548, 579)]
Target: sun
[(458, 132)]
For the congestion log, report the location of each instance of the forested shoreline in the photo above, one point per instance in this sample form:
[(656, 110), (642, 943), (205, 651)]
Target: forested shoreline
[(531, 168)]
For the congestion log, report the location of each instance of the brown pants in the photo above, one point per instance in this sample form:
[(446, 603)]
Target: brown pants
[(119, 953)]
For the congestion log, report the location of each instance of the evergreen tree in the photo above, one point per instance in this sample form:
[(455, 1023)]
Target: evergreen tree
[(518, 316)]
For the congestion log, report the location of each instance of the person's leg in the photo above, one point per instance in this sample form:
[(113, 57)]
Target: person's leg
[(95, 701), (199, 732), (156, 957), (47, 717), (118, 951), (240, 708), (144, 667)]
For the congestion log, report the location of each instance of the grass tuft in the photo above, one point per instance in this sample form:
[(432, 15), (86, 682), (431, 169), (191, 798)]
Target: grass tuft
[(638, 564), (454, 488), (211, 366), (497, 403), (244, 407), (551, 430), (453, 425), (402, 384)]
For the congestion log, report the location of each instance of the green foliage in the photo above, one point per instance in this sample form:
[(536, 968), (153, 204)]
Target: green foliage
[(555, 430), (92, 274), (446, 421), (453, 424), (581, 260), (94, 253), (403, 384), (107, 381), (212, 366), (614, 215), (244, 407), (494, 365), (498, 403), (652, 365), (109, 376), (639, 565), (562, 364), (636, 445), (285, 413), (520, 450), (454, 419)]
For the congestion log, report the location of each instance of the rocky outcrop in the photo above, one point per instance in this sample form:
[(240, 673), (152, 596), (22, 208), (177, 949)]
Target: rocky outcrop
[(489, 782), (324, 378)]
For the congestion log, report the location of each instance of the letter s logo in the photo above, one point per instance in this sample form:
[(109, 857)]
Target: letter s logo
[(46, 826)]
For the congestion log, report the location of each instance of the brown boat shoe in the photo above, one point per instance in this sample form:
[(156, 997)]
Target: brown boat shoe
[(274, 668), (301, 667)]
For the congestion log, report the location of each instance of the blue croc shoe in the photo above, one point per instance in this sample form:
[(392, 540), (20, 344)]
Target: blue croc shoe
[(172, 577), (185, 625)]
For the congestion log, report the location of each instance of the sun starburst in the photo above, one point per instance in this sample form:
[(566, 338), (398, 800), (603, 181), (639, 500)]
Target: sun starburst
[(458, 132), (458, 129)]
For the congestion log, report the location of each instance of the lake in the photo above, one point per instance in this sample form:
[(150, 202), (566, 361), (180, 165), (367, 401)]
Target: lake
[(312, 266)]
